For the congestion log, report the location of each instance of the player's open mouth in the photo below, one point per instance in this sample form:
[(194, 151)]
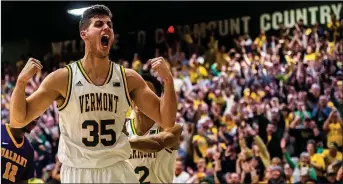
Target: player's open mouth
[(104, 40)]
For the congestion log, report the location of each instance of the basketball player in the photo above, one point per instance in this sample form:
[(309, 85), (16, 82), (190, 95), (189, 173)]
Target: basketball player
[(16, 154), (153, 152), (93, 95)]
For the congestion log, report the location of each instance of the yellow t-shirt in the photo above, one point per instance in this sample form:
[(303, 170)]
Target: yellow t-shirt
[(229, 124), (218, 100), (328, 159), (202, 144), (331, 47), (214, 130), (290, 60), (335, 134), (137, 65), (289, 119), (269, 138), (222, 59), (330, 104), (318, 160), (211, 96), (259, 41), (311, 57), (335, 26), (197, 103), (35, 180), (202, 71), (197, 73)]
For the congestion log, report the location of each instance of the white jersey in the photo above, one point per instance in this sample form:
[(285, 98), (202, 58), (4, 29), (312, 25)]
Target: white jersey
[(91, 119), (156, 167)]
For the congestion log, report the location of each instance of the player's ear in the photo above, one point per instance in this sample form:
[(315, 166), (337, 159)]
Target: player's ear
[(83, 34)]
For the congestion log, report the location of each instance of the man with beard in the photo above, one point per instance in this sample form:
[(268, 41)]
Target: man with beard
[(16, 154)]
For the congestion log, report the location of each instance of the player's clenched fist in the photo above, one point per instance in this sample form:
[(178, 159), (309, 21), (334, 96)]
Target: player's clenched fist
[(30, 69), (159, 66)]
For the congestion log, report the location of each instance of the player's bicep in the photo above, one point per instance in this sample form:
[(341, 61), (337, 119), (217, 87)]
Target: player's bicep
[(147, 102), (43, 97), (142, 96), (39, 101)]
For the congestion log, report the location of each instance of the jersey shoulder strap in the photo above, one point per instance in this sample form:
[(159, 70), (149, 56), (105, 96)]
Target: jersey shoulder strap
[(69, 86), (130, 127)]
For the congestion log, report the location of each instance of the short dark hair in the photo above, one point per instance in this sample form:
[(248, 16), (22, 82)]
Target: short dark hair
[(93, 11), (157, 85), (311, 141)]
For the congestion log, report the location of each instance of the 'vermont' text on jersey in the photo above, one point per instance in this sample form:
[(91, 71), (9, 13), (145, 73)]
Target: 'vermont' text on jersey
[(98, 102)]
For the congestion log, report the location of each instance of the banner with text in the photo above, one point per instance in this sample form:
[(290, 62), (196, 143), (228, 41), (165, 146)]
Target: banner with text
[(250, 24)]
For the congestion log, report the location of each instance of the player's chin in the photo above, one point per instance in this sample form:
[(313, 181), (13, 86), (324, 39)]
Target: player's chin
[(102, 54), (104, 50)]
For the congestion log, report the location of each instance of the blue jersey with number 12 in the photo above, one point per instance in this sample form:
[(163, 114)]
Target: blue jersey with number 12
[(16, 158)]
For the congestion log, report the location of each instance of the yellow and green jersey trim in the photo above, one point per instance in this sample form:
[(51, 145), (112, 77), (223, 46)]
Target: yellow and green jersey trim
[(127, 94), (108, 78), (69, 86)]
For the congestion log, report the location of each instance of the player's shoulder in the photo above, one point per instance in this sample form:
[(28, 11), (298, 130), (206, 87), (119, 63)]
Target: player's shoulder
[(57, 75), (132, 76), (57, 79)]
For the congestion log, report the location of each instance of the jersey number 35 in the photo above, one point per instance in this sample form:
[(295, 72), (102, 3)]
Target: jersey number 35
[(98, 130)]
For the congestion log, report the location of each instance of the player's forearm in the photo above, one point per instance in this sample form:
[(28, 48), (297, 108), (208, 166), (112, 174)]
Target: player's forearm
[(153, 143), (145, 144), (168, 106), (18, 103)]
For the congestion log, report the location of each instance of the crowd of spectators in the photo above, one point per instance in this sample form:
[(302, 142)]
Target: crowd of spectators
[(268, 110)]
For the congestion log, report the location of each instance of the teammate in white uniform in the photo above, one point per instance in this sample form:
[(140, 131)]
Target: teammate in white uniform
[(154, 151), (93, 95)]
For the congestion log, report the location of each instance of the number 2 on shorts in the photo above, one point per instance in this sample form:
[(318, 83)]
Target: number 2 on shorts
[(145, 174)]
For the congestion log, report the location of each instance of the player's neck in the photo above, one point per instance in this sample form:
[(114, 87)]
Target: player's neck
[(143, 123), (18, 134), (95, 66)]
